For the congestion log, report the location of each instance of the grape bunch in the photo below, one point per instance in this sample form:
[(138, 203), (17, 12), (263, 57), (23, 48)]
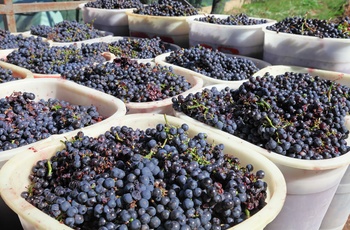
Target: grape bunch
[(43, 59), (238, 19), (138, 48), (131, 81), (6, 75), (213, 63), (13, 41), (8, 40), (168, 8), (114, 4), (313, 27), (292, 114), (67, 31), (157, 178), (24, 121)]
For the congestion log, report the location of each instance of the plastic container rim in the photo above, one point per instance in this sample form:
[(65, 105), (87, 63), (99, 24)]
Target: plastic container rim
[(270, 22), (132, 14), (161, 60), (312, 38), (145, 105), (17, 69)]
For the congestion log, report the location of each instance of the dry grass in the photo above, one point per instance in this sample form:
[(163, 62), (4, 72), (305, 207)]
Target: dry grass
[(347, 10)]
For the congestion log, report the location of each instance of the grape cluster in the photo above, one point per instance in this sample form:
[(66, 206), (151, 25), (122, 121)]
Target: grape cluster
[(131, 81), (44, 59), (292, 114), (169, 8), (138, 48), (6, 75), (238, 19), (24, 121), (213, 63), (67, 31), (113, 4), (313, 27), (157, 178), (13, 41)]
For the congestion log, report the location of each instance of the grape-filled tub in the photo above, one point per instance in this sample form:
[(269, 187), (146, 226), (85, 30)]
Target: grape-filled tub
[(32, 217)]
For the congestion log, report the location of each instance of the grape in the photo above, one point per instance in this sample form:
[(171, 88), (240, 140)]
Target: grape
[(169, 8), (113, 4), (43, 59), (131, 81), (213, 63), (25, 121), (292, 114), (177, 197), (13, 41), (66, 31), (313, 27), (6, 75), (140, 48), (238, 19)]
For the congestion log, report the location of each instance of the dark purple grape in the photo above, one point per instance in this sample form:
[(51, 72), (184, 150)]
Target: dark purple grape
[(113, 4), (292, 114), (170, 8), (172, 194), (43, 59), (25, 121), (238, 19), (138, 48), (67, 31), (213, 63), (131, 81), (313, 27)]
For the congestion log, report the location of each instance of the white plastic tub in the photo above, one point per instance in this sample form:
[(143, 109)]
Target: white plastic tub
[(17, 72), (161, 59), (111, 20), (169, 29), (307, 51), (339, 209), (106, 36), (170, 46), (109, 107), (311, 185), (247, 40), (4, 53), (165, 106), (108, 57), (341, 78), (14, 176)]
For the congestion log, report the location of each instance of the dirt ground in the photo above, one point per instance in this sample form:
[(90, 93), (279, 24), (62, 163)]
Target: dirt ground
[(347, 10), (347, 225)]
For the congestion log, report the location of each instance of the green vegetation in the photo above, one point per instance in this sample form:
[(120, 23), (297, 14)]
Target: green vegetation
[(280, 9)]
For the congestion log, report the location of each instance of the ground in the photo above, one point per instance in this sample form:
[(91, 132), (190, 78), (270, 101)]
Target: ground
[(347, 10)]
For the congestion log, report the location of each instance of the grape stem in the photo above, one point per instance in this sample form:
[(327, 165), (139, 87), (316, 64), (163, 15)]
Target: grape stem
[(270, 122), (49, 168)]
